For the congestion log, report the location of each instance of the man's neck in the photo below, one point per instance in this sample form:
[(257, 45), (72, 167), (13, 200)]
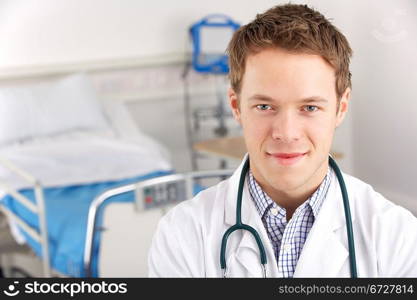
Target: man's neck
[(291, 200)]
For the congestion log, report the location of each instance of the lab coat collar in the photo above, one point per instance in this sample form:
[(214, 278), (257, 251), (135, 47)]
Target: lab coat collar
[(324, 252), (334, 194)]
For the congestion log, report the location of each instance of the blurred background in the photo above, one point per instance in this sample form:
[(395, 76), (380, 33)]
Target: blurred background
[(101, 93)]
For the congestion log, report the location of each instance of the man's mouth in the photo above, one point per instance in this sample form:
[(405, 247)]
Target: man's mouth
[(287, 159)]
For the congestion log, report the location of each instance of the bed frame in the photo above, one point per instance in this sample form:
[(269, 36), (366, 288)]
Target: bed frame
[(38, 209), (184, 183)]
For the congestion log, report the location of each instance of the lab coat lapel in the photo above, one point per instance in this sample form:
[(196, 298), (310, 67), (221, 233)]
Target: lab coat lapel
[(325, 252), (248, 253), (242, 247)]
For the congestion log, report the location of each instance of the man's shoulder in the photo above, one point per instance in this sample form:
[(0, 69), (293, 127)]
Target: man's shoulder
[(350, 179), (363, 193), (367, 199)]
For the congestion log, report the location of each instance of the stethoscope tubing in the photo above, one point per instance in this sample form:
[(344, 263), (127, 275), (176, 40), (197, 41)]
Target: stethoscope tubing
[(348, 217), (240, 226)]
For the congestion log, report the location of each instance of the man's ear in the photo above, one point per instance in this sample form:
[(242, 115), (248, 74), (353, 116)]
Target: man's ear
[(343, 107), (234, 104)]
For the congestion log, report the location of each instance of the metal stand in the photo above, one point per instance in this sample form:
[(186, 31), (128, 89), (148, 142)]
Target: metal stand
[(194, 117), (187, 113)]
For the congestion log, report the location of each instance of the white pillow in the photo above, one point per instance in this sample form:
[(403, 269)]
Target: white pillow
[(120, 118), (48, 108)]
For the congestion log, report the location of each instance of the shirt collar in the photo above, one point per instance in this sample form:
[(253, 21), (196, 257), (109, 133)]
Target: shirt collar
[(263, 202)]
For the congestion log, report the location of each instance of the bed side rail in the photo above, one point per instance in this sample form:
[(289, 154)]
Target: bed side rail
[(38, 208), (185, 182)]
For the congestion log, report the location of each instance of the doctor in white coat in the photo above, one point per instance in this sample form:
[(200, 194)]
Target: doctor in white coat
[(290, 90)]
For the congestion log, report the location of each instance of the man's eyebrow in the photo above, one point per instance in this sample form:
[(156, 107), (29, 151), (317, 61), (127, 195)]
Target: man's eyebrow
[(258, 97), (314, 99), (265, 98)]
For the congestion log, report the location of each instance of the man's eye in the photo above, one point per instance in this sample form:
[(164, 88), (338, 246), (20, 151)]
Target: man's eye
[(263, 107), (310, 108)]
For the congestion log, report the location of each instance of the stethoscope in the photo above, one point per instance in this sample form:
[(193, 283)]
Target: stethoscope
[(240, 226)]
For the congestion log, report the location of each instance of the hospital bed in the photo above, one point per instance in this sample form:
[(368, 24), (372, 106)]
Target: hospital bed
[(119, 225), (59, 150), (124, 255)]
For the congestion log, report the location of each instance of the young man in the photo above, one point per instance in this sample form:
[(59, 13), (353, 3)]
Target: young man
[(290, 88)]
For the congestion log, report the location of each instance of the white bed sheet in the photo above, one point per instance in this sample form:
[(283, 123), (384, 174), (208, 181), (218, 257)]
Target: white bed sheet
[(80, 158), (84, 157)]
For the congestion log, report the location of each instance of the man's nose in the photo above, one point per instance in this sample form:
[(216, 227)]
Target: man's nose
[(286, 127)]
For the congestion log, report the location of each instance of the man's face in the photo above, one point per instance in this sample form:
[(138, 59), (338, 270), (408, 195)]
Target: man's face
[(288, 111)]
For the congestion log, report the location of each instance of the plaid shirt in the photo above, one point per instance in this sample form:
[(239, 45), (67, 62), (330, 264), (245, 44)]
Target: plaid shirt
[(288, 238)]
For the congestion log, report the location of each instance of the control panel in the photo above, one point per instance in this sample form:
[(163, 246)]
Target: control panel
[(163, 194)]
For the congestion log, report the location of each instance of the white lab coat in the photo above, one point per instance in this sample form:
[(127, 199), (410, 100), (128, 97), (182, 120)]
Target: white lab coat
[(187, 241)]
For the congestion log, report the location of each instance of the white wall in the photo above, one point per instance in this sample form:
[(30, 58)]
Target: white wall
[(385, 105), (378, 137), (60, 31)]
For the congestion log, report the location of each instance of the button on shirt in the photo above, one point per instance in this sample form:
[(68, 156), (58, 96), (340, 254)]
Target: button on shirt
[(288, 238)]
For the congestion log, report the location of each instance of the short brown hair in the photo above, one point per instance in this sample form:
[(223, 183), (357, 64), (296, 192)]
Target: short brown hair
[(296, 28)]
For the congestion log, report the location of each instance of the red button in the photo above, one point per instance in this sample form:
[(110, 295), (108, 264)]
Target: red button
[(148, 199)]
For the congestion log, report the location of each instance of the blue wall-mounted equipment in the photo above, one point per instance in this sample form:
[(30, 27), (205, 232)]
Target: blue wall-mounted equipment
[(210, 37)]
